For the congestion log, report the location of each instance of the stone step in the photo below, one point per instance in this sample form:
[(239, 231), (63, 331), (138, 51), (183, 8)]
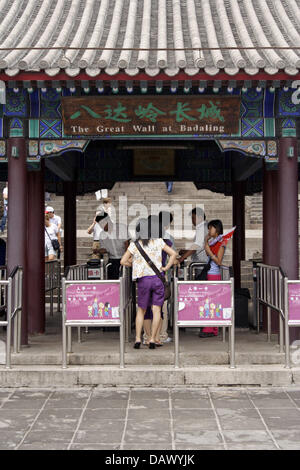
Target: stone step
[(148, 376)]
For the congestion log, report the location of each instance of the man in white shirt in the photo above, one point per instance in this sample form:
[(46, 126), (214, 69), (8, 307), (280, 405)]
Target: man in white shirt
[(197, 250), (95, 229), (56, 220), (113, 240)]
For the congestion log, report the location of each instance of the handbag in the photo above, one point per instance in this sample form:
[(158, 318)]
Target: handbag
[(203, 275), (156, 270), (54, 242)]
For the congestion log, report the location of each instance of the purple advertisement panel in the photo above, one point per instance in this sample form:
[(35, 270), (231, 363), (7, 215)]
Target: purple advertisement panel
[(294, 302), (93, 302), (204, 302)]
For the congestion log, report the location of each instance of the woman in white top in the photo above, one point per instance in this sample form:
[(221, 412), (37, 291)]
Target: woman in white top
[(51, 232), (150, 286)]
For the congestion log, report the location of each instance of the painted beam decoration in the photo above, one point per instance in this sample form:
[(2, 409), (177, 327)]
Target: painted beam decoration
[(153, 115)]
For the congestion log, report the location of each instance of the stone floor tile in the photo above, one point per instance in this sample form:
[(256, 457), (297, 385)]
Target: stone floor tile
[(294, 394), (282, 418), (10, 439), (148, 446), (145, 425), (31, 394), (201, 403), (108, 413), (146, 435), (240, 419), (194, 420), (273, 403), (198, 447), (210, 438), (15, 420), (19, 404), (247, 437), (45, 446), (58, 420), (94, 421), (95, 447), (287, 438), (228, 394), (189, 394), (192, 415), (97, 437), (145, 414), (267, 394), (149, 393), (155, 403), (44, 437), (233, 403), (254, 446), (68, 399), (100, 403)]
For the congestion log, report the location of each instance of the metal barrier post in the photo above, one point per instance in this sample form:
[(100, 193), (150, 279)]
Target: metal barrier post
[(258, 294), (232, 340), (19, 315), (121, 313), (16, 305), (58, 285), (51, 290), (279, 302), (69, 334), (176, 327), (8, 328), (64, 328), (286, 321), (267, 293)]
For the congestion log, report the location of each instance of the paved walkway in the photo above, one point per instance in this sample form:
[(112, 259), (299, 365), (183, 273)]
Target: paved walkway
[(157, 419)]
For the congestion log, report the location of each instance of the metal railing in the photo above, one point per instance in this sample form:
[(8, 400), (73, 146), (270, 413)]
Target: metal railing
[(13, 305), (83, 320), (270, 292), (226, 275), (126, 275), (53, 282), (203, 322), (76, 272)]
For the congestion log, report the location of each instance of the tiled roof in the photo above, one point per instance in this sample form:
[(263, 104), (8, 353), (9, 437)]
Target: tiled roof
[(124, 35)]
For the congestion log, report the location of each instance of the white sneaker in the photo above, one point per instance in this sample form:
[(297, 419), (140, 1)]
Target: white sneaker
[(168, 340)]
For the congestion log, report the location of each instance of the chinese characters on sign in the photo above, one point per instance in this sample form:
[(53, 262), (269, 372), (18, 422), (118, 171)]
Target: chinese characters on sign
[(153, 115), (204, 302)]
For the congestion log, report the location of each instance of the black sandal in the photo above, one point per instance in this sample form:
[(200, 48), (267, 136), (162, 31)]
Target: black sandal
[(137, 345), (152, 345)]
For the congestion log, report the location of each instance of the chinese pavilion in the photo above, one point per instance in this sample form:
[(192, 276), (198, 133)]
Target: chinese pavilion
[(80, 79)]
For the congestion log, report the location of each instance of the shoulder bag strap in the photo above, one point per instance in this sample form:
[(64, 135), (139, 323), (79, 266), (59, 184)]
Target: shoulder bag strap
[(48, 234), (149, 261)]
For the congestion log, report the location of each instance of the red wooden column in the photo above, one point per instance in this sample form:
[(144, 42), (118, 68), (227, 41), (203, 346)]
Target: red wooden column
[(238, 219), (69, 223), (288, 211), (36, 251), (270, 231), (17, 217)]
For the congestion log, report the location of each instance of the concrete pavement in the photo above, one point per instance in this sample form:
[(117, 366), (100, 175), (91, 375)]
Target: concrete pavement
[(178, 418)]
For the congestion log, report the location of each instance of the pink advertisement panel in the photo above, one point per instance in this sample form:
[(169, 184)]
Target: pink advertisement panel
[(294, 302), (204, 302), (93, 302)]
